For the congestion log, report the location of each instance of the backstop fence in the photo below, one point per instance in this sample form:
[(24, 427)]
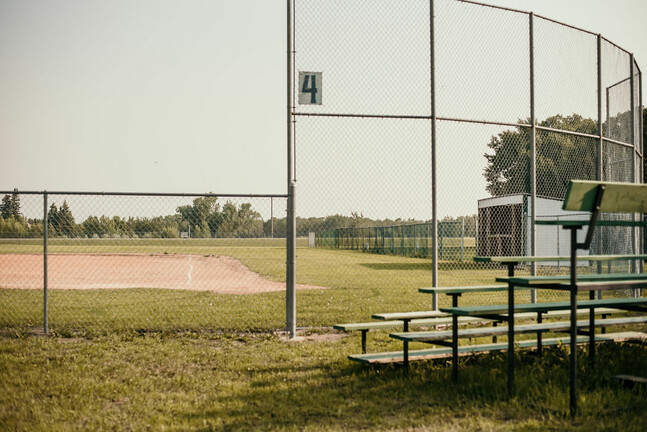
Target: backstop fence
[(444, 109)]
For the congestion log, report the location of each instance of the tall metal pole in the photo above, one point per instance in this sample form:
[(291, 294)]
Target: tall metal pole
[(434, 185), (642, 167), (634, 170), (533, 157), (272, 217), (45, 233), (600, 149), (290, 278)]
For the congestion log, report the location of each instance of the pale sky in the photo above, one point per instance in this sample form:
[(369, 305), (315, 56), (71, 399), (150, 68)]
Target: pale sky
[(176, 96)]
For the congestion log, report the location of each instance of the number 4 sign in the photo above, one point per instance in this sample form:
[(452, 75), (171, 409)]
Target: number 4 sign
[(310, 88)]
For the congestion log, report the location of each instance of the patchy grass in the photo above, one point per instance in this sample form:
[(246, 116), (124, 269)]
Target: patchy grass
[(192, 381), (154, 359)]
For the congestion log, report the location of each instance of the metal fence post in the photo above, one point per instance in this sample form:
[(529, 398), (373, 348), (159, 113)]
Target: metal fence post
[(641, 146), (45, 233), (434, 185), (290, 277), (291, 302), (634, 170), (463, 239), (533, 157), (600, 143)]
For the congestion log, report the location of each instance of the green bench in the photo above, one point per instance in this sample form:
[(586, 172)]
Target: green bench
[(450, 338), (417, 318), (365, 327), (439, 319), (596, 198), (401, 319), (464, 350)]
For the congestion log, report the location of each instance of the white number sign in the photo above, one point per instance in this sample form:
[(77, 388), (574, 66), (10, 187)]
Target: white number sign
[(310, 88)]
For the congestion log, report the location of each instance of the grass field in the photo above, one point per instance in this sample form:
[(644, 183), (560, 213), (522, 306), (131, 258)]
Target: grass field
[(261, 382), (153, 359), (358, 285)]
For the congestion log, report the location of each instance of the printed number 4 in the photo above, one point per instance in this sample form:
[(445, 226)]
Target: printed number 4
[(310, 86)]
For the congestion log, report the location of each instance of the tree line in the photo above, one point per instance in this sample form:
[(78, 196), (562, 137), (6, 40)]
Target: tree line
[(204, 218)]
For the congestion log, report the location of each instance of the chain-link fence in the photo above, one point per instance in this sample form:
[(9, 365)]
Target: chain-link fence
[(108, 262), (455, 240), (426, 111), (406, 120)]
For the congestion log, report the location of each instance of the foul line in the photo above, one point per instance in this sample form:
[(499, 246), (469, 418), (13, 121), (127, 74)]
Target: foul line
[(190, 270)]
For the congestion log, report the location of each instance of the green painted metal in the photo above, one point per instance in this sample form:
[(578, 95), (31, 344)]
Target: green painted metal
[(529, 259), (433, 353), (408, 315), (529, 281), (617, 198), (376, 325), (431, 336), (462, 289), (544, 307), (614, 223)]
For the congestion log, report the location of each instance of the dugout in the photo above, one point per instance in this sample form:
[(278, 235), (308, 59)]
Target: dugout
[(504, 227)]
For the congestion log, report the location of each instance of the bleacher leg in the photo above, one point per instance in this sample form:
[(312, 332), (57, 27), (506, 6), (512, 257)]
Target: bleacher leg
[(540, 319)]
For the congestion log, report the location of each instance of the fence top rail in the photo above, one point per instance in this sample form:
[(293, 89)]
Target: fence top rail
[(150, 194), (545, 18)]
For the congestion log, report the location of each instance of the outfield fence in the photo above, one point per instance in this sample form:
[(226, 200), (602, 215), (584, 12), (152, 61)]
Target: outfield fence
[(411, 240)]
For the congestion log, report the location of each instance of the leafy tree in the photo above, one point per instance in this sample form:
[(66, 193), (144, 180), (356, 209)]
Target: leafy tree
[(560, 158), (228, 220), (202, 215)]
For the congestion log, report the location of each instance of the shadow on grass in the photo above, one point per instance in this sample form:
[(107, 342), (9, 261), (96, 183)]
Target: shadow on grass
[(343, 396)]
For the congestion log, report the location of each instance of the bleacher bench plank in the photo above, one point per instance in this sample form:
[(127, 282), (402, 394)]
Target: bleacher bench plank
[(464, 350), (619, 303), (431, 336)]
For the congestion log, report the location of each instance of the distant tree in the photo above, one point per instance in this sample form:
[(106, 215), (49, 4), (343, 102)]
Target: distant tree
[(228, 220), (52, 217), (66, 223), (249, 223), (5, 207), (203, 214), (10, 206), (15, 205)]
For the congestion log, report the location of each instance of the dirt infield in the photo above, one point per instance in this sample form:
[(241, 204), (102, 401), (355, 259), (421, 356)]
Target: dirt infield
[(220, 274)]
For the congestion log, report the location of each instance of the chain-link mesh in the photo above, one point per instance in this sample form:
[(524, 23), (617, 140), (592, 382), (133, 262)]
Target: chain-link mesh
[(143, 263), (365, 153), (367, 77)]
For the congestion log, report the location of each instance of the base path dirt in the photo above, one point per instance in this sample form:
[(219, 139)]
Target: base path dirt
[(220, 274)]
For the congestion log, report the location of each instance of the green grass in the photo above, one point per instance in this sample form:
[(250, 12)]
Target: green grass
[(356, 286), (159, 381), (153, 359)]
